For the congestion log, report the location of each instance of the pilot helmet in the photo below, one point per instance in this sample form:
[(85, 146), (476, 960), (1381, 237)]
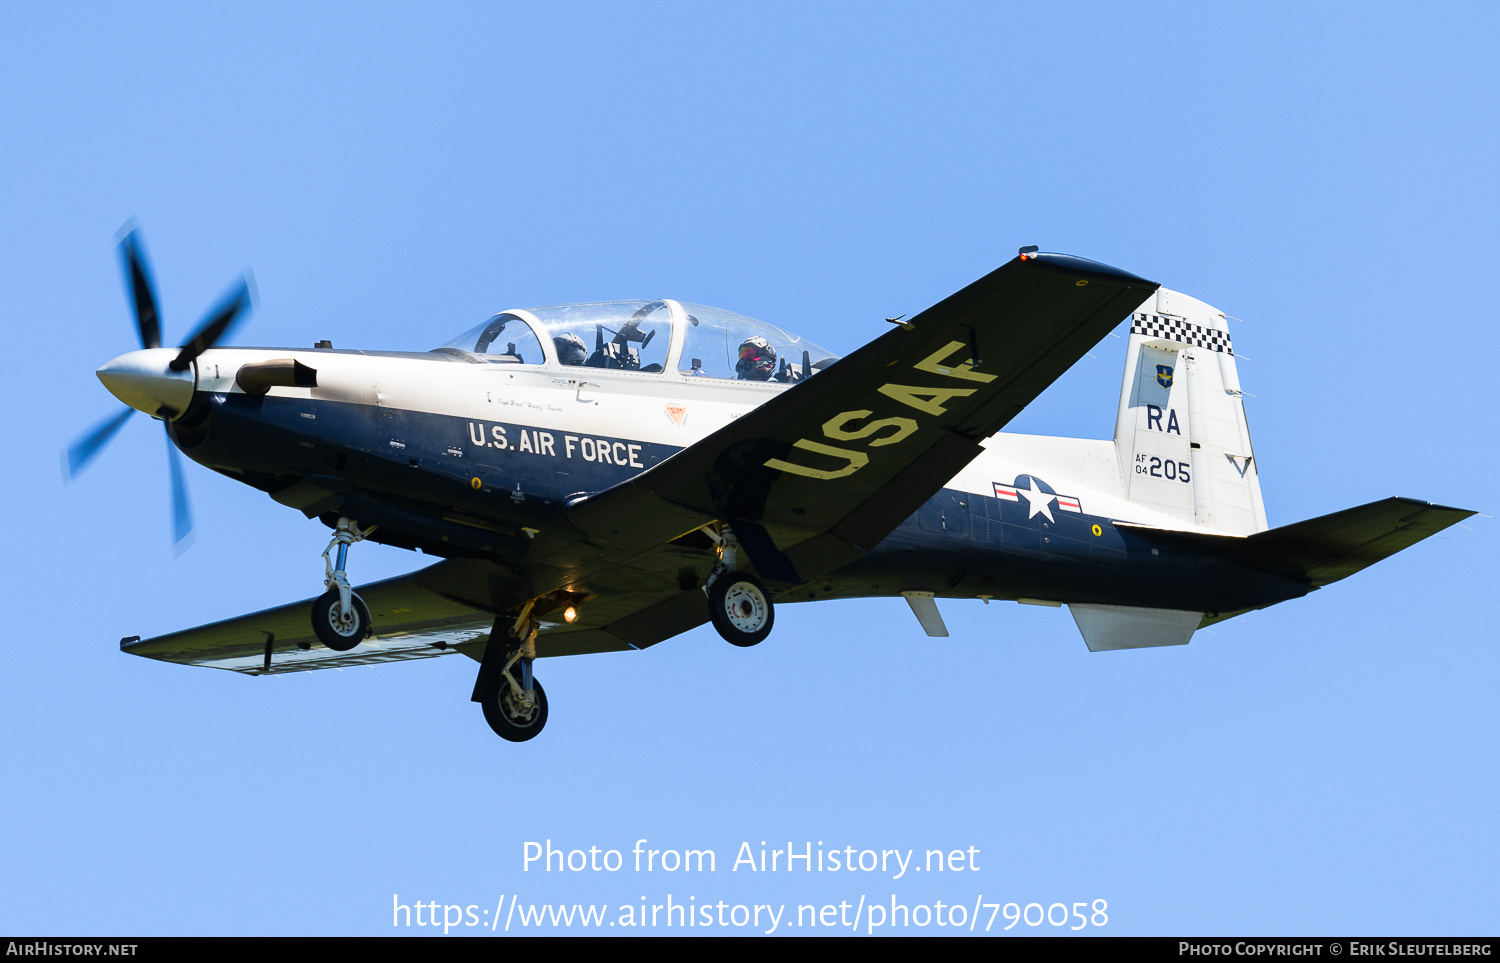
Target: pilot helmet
[(570, 349), (757, 359)]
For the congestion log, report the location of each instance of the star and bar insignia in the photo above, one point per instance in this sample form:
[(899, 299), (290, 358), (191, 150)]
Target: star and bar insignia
[(1039, 501)]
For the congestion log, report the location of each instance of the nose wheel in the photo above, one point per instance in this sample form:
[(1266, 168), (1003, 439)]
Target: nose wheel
[(740, 609), (337, 627), (512, 716), (513, 702), (340, 619)]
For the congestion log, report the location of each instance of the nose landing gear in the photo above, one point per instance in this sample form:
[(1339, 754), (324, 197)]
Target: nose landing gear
[(340, 618), (514, 703), (511, 716), (336, 626)]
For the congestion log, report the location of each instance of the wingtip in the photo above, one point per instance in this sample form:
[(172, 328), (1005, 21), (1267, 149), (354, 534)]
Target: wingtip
[(1072, 263), (1425, 504)]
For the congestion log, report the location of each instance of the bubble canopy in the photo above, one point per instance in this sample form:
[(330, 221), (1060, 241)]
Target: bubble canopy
[(667, 338)]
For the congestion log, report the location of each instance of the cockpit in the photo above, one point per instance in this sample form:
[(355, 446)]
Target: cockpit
[(649, 337)]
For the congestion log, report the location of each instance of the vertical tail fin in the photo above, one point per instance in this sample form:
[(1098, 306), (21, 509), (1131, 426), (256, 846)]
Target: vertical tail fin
[(1181, 433)]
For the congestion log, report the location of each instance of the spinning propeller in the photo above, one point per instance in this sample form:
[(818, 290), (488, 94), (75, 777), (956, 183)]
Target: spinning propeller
[(159, 381)]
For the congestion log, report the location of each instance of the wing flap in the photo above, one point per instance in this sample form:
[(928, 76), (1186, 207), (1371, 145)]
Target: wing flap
[(414, 615)]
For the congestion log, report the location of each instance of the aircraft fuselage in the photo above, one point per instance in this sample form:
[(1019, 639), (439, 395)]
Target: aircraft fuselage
[(475, 460)]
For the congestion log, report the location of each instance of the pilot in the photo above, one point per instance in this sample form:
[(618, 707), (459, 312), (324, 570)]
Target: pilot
[(757, 360), (570, 349)]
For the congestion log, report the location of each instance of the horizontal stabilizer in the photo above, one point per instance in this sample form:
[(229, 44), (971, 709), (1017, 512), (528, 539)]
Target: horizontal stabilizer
[(1336, 546), (1323, 550)]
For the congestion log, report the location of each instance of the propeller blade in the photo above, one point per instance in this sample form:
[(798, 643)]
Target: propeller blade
[(215, 324), (182, 514), (142, 289), (82, 451)]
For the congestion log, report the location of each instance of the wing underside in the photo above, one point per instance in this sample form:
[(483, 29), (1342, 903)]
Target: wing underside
[(445, 608), (412, 621)]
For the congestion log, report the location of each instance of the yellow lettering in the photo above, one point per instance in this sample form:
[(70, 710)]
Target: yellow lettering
[(856, 460), (935, 397), (838, 428), (938, 364)]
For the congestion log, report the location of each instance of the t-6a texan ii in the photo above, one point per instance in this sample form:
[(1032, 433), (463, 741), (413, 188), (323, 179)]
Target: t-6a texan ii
[(602, 477)]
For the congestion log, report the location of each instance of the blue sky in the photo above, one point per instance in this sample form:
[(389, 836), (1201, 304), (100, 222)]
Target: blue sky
[(395, 173)]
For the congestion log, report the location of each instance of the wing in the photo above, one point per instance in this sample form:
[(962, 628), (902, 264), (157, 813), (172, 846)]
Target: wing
[(821, 473), (442, 609), (416, 616)]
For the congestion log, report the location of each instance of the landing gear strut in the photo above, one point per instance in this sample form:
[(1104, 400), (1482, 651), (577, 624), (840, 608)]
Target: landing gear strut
[(514, 703), (340, 618), (738, 604)]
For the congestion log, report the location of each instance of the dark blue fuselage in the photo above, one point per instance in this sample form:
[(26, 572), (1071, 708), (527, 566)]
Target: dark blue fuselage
[(456, 486)]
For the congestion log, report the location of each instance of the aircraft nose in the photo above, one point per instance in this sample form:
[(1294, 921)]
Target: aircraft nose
[(143, 380)]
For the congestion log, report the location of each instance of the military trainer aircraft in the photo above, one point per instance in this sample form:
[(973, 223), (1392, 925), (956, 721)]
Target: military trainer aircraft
[(602, 477)]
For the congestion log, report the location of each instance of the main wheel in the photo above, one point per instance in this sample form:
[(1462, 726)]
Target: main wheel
[(740, 609), (512, 721), (340, 632)]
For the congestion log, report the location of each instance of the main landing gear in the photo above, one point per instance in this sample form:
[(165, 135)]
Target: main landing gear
[(738, 604), (340, 618), (740, 609), (514, 703)]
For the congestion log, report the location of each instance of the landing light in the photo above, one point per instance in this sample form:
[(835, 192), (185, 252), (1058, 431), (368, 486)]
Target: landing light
[(570, 614)]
